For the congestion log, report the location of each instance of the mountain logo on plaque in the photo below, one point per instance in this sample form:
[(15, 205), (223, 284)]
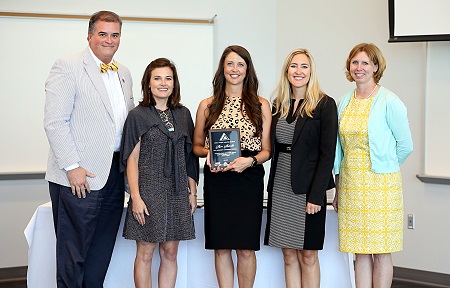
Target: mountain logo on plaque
[(224, 137), (225, 146)]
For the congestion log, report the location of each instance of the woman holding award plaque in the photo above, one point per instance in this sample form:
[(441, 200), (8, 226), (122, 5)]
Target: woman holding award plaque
[(233, 183), (303, 134)]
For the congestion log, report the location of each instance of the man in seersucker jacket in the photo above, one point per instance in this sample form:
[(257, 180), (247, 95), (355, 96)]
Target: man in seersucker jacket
[(88, 97)]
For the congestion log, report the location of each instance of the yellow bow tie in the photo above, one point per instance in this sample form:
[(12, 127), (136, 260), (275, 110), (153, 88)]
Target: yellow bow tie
[(104, 67)]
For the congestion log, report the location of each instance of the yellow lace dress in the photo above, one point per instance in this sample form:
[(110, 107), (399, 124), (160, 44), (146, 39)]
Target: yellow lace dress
[(370, 204)]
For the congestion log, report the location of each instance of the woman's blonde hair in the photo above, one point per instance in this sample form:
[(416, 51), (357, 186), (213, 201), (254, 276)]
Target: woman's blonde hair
[(283, 92)]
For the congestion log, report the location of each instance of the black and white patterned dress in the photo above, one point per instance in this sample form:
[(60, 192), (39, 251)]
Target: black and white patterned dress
[(165, 162)]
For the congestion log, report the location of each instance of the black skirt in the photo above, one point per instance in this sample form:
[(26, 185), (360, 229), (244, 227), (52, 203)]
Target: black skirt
[(233, 208)]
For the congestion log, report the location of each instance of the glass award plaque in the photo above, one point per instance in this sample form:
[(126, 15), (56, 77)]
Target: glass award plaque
[(224, 146)]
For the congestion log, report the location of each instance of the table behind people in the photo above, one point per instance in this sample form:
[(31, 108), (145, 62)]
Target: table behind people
[(195, 269)]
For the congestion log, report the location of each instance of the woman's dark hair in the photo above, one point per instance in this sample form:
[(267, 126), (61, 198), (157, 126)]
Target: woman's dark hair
[(148, 99), (250, 99)]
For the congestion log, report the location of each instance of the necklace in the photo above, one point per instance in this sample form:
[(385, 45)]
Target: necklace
[(356, 96), (164, 115)]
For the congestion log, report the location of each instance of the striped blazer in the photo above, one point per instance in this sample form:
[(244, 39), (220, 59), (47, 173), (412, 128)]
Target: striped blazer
[(79, 120)]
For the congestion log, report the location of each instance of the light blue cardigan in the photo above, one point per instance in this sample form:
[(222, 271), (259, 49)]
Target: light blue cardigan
[(390, 139)]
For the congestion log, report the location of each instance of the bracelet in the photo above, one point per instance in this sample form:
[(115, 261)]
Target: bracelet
[(195, 195), (254, 162)]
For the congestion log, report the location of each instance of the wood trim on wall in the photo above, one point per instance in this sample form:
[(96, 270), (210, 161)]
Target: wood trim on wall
[(413, 276), (22, 176), (433, 179), (13, 274), (125, 18)]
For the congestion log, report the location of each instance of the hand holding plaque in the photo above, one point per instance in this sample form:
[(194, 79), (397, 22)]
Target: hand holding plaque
[(224, 146)]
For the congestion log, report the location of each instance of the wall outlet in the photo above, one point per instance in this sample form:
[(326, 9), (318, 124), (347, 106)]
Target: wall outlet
[(411, 222)]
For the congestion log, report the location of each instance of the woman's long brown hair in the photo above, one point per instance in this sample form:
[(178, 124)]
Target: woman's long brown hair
[(250, 100)]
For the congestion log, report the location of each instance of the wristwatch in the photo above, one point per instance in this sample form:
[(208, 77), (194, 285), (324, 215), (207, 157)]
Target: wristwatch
[(254, 162)]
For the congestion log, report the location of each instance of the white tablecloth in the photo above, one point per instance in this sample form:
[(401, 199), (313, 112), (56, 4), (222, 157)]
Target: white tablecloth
[(195, 264)]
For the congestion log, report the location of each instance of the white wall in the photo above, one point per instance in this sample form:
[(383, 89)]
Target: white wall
[(330, 29), (437, 114), (18, 200), (64, 39), (234, 25), (270, 29)]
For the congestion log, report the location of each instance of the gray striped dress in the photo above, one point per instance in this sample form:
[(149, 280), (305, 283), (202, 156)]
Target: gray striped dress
[(287, 222)]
